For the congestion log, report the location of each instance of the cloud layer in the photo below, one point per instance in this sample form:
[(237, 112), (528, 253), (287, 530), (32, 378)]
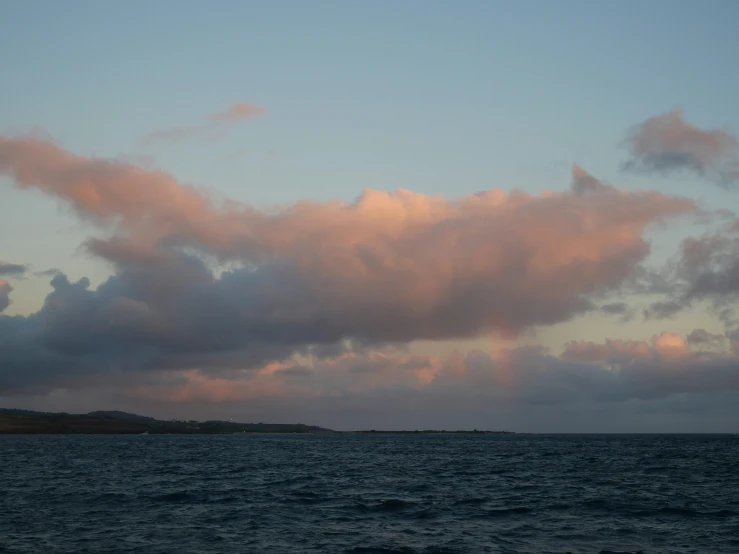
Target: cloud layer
[(616, 386), (390, 267), (214, 301)]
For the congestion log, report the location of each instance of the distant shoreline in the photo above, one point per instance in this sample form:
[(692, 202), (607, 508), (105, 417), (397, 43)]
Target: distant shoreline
[(428, 432), (15, 422), (27, 422)]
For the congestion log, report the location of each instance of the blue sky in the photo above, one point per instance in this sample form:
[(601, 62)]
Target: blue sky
[(437, 97), (432, 96)]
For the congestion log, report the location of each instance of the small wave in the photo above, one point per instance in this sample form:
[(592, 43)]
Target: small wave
[(393, 504), (380, 550), (307, 497), (688, 512), (473, 500), (427, 513), (501, 512), (112, 497), (179, 496), (390, 505), (655, 469), (290, 481)]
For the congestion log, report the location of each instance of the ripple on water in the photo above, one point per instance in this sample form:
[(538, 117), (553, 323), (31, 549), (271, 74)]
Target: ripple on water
[(347, 493)]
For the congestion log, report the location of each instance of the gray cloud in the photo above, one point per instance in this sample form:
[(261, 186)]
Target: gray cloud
[(664, 309), (666, 143), (703, 337), (705, 269), (615, 308), (5, 290), (627, 387), (621, 309), (12, 270), (48, 272)]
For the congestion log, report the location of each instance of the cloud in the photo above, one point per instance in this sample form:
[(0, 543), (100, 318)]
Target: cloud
[(733, 337), (215, 121), (306, 308), (666, 143), (705, 269), (390, 267), (12, 270), (663, 347), (48, 272), (615, 308), (663, 309), (703, 337), (621, 309), (237, 112), (5, 290), (612, 351), (583, 182), (616, 385)]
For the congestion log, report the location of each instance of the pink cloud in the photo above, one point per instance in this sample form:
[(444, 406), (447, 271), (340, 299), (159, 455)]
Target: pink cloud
[(520, 376), (512, 389), (349, 373), (665, 346), (235, 114), (392, 265)]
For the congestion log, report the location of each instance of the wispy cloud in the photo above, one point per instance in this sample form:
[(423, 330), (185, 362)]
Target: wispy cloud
[(666, 143), (214, 122), (706, 268), (12, 270)]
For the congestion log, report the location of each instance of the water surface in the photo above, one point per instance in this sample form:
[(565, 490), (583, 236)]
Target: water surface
[(358, 493)]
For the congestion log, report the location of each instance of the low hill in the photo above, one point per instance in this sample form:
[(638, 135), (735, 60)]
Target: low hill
[(114, 422), (115, 414)]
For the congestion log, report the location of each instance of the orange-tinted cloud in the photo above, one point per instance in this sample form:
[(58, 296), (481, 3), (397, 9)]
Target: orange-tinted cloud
[(390, 266), (665, 346), (349, 373), (515, 389), (514, 377), (237, 112)]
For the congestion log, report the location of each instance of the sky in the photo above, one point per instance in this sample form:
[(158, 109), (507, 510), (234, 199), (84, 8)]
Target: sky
[(402, 215)]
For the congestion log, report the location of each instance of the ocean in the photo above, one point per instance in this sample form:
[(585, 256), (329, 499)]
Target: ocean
[(187, 494)]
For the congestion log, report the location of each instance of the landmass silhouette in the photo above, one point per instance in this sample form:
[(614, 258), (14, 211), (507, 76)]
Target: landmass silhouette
[(110, 422)]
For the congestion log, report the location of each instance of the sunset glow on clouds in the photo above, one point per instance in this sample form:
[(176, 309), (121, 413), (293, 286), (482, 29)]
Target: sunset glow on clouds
[(387, 269), (180, 295)]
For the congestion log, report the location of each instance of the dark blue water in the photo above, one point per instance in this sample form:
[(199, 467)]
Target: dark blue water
[(355, 493)]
